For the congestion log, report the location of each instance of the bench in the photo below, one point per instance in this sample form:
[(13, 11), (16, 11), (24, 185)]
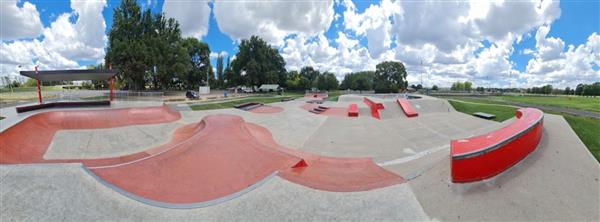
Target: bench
[(353, 110), (484, 115), (484, 156), (407, 108)]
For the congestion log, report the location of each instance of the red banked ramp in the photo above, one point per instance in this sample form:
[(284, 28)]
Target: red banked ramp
[(330, 173), (408, 109), (482, 157)]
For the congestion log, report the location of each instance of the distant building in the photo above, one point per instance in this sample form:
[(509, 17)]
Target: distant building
[(269, 88)]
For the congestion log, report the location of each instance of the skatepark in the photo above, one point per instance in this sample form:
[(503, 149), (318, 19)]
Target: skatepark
[(151, 161)]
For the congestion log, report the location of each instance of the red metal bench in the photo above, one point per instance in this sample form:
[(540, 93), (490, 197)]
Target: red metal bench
[(407, 107), (375, 107), (482, 157), (353, 110)]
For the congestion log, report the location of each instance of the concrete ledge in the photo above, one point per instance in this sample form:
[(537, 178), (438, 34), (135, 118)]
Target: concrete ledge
[(407, 107), (485, 156), (22, 109)]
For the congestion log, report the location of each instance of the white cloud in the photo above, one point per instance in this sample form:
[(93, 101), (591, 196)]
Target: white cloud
[(273, 21), (63, 42), (517, 17), (192, 16), (18, 22), (552, 65), (214, 55)]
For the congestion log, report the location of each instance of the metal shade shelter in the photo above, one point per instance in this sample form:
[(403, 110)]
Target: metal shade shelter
[(71, 75)]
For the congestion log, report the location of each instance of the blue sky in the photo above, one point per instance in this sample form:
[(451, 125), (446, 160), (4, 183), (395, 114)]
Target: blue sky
[(336, 36)]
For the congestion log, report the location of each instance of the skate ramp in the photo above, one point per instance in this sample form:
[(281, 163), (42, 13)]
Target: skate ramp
[(330, 173), (431, 105), (28, 140), (221, 160), (229, 157), (205, 163)]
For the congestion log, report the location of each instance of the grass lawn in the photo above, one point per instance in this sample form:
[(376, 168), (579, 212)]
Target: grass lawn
[(502, 112), (333, 96), (573, 102), (230, 104), (30, 89), (586, 128)]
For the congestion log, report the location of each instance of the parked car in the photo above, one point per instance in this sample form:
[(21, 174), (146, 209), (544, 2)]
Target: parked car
[(190, 94)]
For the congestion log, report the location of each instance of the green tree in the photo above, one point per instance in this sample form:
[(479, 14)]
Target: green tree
[(579, 89), (567, 91), (126, 48), (198, 54), (327, 81), (220, 69), (308, 77), (434, 87), (293, 80), (390, 76), (468, 86), (30, 83), (261, 63), (169, 54)]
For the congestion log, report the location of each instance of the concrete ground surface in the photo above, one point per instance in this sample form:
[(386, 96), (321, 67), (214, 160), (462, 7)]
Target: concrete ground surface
[(558, 182)]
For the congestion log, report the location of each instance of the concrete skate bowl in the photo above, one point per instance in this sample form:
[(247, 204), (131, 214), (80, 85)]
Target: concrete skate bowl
[(28, 140), (485, 156), (230, 157)]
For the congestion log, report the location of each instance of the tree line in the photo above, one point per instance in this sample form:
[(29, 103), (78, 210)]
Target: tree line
[(150, 53), (388, 77)]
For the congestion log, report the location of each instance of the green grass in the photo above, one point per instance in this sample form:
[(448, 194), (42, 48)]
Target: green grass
[(573, 102), (502, 112), (230, 104), (586, 128), (30, 89), (333, 96)]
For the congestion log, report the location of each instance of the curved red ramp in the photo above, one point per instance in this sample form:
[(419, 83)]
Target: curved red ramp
[(28, 140), (222, 160), (330, 173), (488, 155)]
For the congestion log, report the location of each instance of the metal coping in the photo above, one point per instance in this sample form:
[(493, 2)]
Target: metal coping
[(493, 147)]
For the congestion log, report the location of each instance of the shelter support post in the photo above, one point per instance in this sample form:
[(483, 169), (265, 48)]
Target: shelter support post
[(39, 91), (110, 82)]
